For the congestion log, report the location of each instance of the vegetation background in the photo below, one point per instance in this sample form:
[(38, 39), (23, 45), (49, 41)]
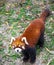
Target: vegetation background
[(15, 15)]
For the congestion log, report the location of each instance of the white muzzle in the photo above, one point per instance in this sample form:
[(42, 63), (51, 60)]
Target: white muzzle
[(18, 50)]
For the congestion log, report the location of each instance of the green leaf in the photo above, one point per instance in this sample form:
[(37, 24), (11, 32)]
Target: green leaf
[(15, 56), (13, 33), (52, 62)]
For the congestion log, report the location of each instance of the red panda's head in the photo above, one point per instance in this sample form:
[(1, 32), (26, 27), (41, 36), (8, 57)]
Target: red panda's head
[(19, 43)]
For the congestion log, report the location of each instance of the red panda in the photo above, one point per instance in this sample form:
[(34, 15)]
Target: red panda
[(33, 34)]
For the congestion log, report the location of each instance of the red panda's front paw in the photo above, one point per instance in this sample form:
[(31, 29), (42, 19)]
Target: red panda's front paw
[(25, 59), (32, 61)]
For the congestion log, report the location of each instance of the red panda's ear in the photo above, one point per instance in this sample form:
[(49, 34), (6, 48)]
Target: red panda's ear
[(12, 39), (25, 40)]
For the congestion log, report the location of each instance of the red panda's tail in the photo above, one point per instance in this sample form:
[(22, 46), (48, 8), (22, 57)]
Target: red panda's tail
[(45, 14)]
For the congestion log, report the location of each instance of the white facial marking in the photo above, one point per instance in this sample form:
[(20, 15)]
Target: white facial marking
[(23, 47), (24, 39), (13, 47), (12, 40), (19, 45), (18, 50)]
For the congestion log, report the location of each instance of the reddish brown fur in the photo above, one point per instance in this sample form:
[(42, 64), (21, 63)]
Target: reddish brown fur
[(33, 31)]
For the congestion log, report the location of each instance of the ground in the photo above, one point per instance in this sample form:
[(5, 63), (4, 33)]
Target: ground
[(13, 20)]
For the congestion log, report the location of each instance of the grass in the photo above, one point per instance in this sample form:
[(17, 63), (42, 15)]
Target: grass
[(17, 26)]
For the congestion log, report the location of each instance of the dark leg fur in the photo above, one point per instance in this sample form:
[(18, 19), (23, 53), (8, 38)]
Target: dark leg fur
[(41, 40), (26, 55), (32, 54), (29, 53)]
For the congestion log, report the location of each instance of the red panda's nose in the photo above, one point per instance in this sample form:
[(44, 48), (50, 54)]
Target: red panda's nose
[(18, 49)]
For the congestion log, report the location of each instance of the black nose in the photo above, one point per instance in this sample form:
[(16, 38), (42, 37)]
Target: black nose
[(17, 50)]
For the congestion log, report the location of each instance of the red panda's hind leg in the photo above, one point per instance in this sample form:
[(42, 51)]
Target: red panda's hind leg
[(41, 40)]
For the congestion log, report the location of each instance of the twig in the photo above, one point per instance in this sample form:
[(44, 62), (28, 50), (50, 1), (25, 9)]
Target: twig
[(52, 52), (50, 61)]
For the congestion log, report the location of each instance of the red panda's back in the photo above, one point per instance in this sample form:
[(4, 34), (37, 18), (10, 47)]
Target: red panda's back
[(33, 31)]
